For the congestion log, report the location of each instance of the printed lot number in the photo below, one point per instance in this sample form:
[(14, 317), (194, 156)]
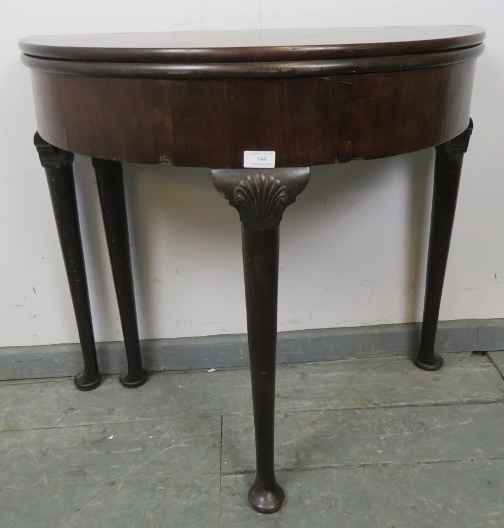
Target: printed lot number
[(259, 159)]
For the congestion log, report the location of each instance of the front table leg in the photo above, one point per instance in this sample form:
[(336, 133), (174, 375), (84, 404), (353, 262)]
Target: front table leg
[(111, 189), (58, 167), (449, 157), (261, 198)]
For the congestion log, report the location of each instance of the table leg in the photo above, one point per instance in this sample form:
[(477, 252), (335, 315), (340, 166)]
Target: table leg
[(449, 157), (261, 198), (57, 164), (111, 189)]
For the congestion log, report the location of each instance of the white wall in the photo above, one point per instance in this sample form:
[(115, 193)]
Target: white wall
[(353, 246)]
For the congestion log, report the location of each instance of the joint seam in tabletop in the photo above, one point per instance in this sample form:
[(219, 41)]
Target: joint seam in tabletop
[(300, 68)]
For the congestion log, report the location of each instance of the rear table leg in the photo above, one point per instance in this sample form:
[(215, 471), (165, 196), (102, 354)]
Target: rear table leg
[(58, 167), (111, 188)]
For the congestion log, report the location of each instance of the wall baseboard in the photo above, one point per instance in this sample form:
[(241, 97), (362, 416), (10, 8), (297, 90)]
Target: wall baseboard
[(225, 351)]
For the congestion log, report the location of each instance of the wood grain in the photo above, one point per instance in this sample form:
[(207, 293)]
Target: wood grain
[(209, 123), (252, 45)]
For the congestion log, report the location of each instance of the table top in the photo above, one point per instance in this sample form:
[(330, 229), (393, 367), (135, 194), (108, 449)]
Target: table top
[(253, 53), (203, 99), (268, 44)]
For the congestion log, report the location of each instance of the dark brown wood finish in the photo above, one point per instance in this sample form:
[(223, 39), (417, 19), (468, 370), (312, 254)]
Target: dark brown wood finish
[(58, 167), (313, 96), (403, 89), (261, 197), (260, 266), (188, 47), (449, 158), (201, 123), (111, 189), (302, 68)]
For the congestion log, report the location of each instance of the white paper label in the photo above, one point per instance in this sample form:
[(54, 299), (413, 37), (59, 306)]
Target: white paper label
[(259, 159)]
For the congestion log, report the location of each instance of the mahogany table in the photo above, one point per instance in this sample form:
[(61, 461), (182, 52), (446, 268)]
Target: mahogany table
[(259, 108)]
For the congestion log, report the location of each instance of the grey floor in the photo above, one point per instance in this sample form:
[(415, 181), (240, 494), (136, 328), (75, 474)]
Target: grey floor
[(360, 443)]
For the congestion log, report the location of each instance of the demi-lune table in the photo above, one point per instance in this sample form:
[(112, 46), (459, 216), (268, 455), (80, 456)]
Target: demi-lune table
[(258, 108)]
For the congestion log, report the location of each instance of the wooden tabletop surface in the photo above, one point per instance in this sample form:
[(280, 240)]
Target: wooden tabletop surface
[(314, 96), (269, 44)]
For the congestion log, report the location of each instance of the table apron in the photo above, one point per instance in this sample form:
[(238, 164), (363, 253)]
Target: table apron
[(210, 123)]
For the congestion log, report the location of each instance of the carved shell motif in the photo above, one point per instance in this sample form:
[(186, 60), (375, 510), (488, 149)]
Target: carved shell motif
[(260, 195)]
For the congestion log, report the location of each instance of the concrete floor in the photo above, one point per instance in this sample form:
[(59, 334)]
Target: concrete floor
[(360, 443)]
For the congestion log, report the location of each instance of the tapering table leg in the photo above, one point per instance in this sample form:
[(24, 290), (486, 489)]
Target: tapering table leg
[(58, 168), (111, 189), (261, 198), (448, 167)]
